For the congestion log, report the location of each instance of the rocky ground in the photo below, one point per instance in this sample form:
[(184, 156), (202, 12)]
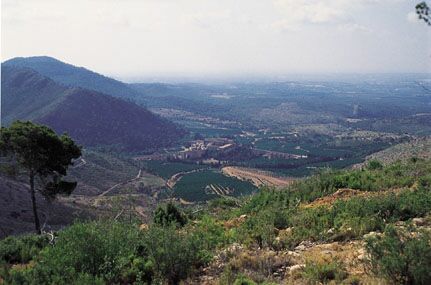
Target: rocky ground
[(283, 266)]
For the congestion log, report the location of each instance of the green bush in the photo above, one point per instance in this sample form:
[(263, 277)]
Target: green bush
[(174, 254), (97, 251), (347, 219), (172, 249), (374, 164), (242, 280), (114, 253), (258, 229), (26, 276), (326, 182), (402, 256), (21, 249), (210, 233), (166, 215), (324, 272), (223, 203)]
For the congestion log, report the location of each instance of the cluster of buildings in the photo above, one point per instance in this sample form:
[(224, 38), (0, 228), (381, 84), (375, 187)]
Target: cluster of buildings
[(200, 148), (209, 151)]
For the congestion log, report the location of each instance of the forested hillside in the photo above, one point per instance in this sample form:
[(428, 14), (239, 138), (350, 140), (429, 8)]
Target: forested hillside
[(90, 117), (71, 75)]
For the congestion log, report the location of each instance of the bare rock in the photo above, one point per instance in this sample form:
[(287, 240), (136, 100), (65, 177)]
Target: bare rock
[(371, 234), (304, 245), (419, 222), (292, 253), (362, 254), (143, 227), (296, 267)]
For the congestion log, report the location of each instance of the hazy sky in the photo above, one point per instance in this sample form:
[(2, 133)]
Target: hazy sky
[(145, 38)]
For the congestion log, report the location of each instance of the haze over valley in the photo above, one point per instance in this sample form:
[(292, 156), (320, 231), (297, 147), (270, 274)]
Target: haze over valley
[(217, 143)]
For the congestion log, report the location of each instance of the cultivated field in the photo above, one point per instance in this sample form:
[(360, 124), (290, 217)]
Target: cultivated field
[(208, 184), (257, 177)]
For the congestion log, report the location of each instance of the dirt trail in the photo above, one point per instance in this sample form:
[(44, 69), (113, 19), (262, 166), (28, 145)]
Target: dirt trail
[(121, 183), (257, 177), (177, 177), (80, 164)]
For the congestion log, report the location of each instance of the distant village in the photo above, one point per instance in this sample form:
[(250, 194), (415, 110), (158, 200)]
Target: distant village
[(205, 150)]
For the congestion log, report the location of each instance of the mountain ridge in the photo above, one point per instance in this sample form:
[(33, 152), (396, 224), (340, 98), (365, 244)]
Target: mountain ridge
[(90, 117), (71, 75)]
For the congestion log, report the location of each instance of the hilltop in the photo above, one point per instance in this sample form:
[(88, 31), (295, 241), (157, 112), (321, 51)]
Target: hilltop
[(70, 75), (90, 117)]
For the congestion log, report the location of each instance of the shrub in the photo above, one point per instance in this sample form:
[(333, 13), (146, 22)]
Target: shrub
[(403, 257), (324, 272), (258, 229), (166, 215), (174, 254), (347, 219), (223, 203), (210, 233), (374, 164), (114, 253), (21, 249), (242, 280), (326, 182), (260, 265), (106, 251)]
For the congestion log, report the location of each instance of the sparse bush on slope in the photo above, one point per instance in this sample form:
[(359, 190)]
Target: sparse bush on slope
[(96, 252), (114, 253), (344, 220), (402, 256), (110, 253), (324, 272)]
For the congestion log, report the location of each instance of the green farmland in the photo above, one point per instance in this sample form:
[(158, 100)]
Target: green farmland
[(199, 186)]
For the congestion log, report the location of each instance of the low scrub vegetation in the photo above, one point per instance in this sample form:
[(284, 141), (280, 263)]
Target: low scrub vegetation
[(324, 272), (21, 249), (107, 252), (342, 221), (403, 256), (179, 243)]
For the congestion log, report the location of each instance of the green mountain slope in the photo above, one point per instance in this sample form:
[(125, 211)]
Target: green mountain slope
[(91, 118), (71, 75), (26, 95)]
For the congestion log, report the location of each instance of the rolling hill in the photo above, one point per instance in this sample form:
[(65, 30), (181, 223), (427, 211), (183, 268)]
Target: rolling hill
[(90, 117), (74, 76), (150, 95)]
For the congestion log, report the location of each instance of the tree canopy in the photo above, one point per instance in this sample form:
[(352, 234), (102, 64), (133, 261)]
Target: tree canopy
[(44, 155), (423, 11)]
